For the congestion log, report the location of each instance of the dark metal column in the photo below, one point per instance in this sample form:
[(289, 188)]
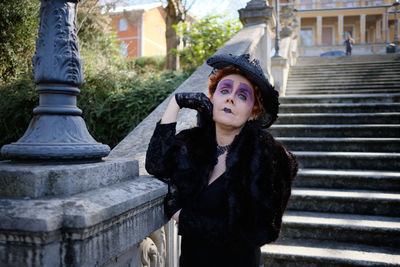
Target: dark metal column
[(277, 29), (57, 131), (395, 39)]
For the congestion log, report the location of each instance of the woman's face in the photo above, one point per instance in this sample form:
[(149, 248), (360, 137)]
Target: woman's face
[(233, 101)]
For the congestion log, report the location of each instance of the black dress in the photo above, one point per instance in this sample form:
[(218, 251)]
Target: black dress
[(224, 223), (212, 203)]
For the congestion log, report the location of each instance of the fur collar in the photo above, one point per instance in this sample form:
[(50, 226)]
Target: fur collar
[(197, 150)]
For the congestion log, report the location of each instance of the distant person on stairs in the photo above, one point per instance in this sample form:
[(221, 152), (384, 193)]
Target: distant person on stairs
[(229, 180), (349, 44)]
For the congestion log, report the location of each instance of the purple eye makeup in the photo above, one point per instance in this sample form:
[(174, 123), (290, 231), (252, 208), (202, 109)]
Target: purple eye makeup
[(224, 85), (243, 91)]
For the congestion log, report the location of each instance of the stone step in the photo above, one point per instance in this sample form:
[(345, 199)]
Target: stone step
[(339, 107), (329, 83), (353, 58), (325, 61), (349, 98), (348, 160), (352, 66), (320, 61), (349, 179), (343, 144), (355, 87), (341, 91), (313, 253), (315, 75), (361, 229), (345, 71), (339, 118), (343, 77), (302, 80), (336, 130), (349, 201), (338, 75)]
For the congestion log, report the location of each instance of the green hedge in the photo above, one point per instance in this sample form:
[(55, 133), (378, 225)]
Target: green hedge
[(17, 100), (113, 103)]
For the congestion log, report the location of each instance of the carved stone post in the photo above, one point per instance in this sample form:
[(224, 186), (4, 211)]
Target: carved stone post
[(57, 131), (258, 12), (285, 45)]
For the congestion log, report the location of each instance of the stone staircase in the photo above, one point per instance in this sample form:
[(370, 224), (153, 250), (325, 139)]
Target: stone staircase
[(341, 117)]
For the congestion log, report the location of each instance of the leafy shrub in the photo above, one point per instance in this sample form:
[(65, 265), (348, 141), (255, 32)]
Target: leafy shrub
[(18, 23), (144, 64), (17, 101), (203, 38), (113, 103), (116, 103)]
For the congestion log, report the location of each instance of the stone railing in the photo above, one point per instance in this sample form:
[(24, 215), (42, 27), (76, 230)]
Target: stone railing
[(287, 56), (108, 212), (281, 64)]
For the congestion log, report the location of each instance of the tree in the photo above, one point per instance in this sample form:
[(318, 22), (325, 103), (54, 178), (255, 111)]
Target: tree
[(18, 31), (175, 14), (204, 37), (97, 40), (19, 22)]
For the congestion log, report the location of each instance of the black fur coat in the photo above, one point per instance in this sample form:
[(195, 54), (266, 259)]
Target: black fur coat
[(259, 175)]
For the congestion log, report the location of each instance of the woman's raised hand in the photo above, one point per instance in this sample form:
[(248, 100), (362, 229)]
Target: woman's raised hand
[(197, 101)]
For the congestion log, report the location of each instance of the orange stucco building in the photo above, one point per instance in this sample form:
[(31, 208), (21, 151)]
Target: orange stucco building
[(140, 29)]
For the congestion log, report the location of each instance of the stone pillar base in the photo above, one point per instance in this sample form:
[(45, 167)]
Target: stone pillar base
[(280, 72), (40, 179)]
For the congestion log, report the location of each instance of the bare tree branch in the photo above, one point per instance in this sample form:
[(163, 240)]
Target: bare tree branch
[(86, 16), (188, 5)]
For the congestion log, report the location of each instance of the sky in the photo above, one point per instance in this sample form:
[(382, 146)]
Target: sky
[(201, 8)]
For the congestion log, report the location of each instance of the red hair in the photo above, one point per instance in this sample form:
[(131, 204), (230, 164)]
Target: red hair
[(215, 79)]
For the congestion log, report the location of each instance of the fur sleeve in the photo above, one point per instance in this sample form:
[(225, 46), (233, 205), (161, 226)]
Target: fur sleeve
[(274, 189), (159, 161)]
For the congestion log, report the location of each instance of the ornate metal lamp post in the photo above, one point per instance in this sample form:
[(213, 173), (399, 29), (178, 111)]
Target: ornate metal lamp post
[(57, 131), (396, 38), (277, 29)]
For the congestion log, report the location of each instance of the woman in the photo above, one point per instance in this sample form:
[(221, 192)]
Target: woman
[(229, 180), (349, 44)]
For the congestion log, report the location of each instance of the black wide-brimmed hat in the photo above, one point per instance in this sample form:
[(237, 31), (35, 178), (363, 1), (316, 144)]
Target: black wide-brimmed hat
[(253, 71)]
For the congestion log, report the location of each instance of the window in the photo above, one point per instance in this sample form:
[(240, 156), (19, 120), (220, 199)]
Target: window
[(124, 48), (327, 35), (122, 24), (306, 37)]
